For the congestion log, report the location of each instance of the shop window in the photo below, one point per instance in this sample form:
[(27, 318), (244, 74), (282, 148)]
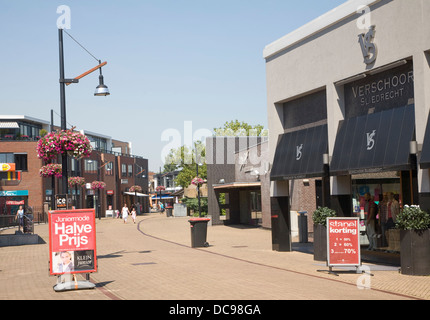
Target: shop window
[(256, 213), (377, 188)]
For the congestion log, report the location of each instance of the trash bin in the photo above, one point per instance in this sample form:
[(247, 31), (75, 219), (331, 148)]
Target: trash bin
[(169, 211), (199, 227), (303, 227)]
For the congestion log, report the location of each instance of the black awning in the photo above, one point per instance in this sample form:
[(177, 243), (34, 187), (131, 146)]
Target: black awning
[(299, 154), (425, 154), (374, 142)]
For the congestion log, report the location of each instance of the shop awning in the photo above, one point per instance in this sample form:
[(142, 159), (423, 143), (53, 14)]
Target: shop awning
[(299, 154), (9, 125), (374, 142), (162, 197), (425, 154), (138, 194), (237, 185)]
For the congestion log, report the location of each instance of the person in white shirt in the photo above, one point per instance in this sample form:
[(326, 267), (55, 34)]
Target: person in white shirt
[(125, 212)]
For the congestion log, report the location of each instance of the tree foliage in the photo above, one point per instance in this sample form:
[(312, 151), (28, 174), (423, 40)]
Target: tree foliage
[(240, 129), (184, 157)]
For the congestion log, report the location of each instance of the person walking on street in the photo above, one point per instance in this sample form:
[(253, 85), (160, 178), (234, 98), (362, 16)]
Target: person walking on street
[(133, 214), (125, 212), (20, 217)]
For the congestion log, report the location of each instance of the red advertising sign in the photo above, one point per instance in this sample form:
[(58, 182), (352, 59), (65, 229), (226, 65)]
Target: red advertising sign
[(72, 241), (343, 237), (15, 203)]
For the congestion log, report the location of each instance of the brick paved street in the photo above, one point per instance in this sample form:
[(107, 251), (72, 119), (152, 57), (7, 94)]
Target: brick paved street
[(152, 259)]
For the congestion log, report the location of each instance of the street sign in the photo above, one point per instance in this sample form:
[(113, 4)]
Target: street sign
[(7, 167), (72, 241), (343, 237)]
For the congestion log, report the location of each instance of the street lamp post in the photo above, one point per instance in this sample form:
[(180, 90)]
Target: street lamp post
[(63, 110), (101, 90)]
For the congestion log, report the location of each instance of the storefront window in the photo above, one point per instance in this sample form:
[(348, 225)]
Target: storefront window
[(256, 213), (385, 193)]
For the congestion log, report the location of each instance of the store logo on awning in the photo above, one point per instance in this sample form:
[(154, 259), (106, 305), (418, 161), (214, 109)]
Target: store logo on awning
[(299, 152), (370, 139)]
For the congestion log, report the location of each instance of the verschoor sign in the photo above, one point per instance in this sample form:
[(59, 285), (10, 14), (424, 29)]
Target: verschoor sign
[(343, 237), (72, 241)]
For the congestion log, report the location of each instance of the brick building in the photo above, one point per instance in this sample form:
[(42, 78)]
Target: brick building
[(111, 162)]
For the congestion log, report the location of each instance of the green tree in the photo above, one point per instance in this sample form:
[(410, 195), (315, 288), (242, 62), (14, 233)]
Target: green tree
[(184, 159), (240, 129)]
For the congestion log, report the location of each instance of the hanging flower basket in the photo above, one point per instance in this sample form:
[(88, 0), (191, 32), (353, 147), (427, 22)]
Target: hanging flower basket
[(65, 141), (135, 189), (160, 188), (98, 185), (73, 181), (198, 181), (52, 169)]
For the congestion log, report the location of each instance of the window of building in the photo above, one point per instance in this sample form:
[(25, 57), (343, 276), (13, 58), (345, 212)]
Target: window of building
[(29, 130), (91, 166), (97, 142), (123, 170), (21, 161), (256, 212), (130, 170), (74, 166), (109, 169), (381, 191), (7, 158)]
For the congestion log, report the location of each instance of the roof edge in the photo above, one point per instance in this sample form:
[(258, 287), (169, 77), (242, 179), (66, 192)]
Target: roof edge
[(317, 25)]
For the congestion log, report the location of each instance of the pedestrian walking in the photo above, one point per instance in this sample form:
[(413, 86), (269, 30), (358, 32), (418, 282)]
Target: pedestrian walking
[(20, 217), (133, 214), (125, 212)]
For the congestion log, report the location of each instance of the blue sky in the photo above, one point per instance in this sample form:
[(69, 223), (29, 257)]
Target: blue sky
[(168, 62)]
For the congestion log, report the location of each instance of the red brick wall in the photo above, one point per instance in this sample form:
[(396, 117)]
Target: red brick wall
[(31, 180), (303, 198)]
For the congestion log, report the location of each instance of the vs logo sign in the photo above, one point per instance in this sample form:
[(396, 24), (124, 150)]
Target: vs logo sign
[(299, 152), (368, 48), (370, 139)]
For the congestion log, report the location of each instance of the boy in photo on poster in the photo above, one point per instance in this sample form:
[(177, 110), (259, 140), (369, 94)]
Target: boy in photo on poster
[(63, 262)]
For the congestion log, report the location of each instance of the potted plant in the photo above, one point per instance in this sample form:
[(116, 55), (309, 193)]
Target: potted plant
[(65, 141), (414, 224), (135, 188), (98, 185), (51, 169), (197, 181), (319, 218), (75, 181)]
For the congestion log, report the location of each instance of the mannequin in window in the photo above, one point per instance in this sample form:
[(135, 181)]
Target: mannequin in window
[(393, 209), (383, 217), (370, 209)]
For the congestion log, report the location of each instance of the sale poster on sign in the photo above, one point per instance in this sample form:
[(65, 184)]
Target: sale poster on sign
[(343, 237), (72, 241)]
